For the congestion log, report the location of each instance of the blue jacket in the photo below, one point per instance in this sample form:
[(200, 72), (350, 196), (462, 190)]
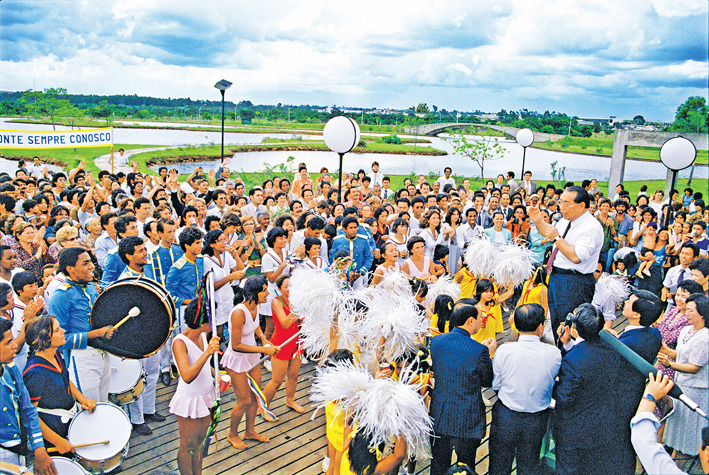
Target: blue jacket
[(358, 249), (587, 395), (112, 269), (462, 366), (162, 258), (14, 398), (148, 272), (71, 303), (184, 278), (490, 233), (364, 231)]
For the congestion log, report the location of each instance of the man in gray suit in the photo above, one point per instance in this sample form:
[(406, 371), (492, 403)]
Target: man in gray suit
[(528, 185)]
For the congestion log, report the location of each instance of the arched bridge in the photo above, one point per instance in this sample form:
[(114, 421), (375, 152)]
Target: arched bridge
[(435, 129)]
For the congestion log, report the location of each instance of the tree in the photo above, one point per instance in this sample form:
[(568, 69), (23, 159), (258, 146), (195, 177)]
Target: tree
[(422, 108), (639, 120), (478, 151), (692, 116), (48, 102)]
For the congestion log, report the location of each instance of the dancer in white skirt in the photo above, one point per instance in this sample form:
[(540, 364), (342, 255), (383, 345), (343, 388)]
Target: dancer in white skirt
[(195, 389)]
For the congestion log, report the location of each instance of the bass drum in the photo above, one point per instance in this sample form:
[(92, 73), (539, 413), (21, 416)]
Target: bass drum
[(140, 336)]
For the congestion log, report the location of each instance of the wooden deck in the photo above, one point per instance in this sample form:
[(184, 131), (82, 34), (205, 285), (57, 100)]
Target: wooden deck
[(297, 444)]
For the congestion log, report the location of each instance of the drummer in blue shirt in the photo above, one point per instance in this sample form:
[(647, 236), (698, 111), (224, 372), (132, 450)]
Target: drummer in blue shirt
[(161, 260), (167, 252), (356, 246), (135, 256), (15, 400), (125, 226), (71, 303), (185, 275)]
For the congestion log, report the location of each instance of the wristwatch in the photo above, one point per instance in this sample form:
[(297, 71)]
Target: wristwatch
[(556, 239), (650, 398)]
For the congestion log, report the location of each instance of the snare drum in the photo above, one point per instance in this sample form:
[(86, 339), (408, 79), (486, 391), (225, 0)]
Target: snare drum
[(66, 466), (108, 422), (127, 381)]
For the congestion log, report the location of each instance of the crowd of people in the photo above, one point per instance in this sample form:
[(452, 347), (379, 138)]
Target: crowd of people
[(68, 236)]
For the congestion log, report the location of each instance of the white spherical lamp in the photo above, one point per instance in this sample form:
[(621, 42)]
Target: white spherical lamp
[(678, 153), (525, 137), (341, 134)]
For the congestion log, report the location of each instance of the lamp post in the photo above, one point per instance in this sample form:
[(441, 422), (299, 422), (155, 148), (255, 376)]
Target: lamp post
[(341, 135), (525, 138), (677, 154), (222, 85)]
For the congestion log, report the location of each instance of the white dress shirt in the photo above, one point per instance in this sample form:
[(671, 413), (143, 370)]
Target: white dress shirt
[(586, 235), (652, 455), (524, 373)]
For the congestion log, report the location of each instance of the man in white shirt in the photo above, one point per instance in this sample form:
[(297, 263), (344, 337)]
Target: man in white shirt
[(523, 376), (578, 238), (256, 205), (220, 199), (446, 179), (313, 228), (376, 175), (678, 273), (528, 185), (387, 192)]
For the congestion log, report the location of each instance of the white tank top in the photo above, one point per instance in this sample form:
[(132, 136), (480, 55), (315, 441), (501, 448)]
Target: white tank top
[(415, 272)]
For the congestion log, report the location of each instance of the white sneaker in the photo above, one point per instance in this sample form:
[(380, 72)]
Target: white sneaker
[(267, 365), (325, 464)]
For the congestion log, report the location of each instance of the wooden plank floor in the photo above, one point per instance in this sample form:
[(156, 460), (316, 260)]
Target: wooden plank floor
[(297, 441)]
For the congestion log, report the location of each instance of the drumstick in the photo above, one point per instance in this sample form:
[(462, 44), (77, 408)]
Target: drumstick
[(134, 312), (279, 348), (78, 446)]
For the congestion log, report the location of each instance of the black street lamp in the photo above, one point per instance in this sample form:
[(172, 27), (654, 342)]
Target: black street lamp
[(222, 85)]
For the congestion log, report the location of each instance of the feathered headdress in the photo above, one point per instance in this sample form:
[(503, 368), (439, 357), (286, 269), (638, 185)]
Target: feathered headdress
[(514, 263), (480, 257), (315, 296), (615, 286), (445, 285)]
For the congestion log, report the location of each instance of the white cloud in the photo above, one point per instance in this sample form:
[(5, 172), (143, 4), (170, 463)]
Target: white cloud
[(475, 54)]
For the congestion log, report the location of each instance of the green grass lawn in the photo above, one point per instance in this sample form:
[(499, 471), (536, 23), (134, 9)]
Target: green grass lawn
[(69, 157), (603, 145)]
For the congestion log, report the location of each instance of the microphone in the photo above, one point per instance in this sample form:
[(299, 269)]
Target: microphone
[(645, 368)]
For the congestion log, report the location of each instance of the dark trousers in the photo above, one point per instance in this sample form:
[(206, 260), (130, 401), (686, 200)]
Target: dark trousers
[(566, 292), (442, 450), (519, 433), (609, 458)]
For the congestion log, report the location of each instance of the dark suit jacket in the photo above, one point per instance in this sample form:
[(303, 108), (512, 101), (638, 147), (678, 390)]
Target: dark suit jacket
[(587, 395), (646, 342), (461, 367)]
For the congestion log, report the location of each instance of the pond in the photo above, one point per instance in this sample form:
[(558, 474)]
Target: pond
[(539, 161)]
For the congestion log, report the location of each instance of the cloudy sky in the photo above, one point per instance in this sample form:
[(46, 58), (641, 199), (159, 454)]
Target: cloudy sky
[(591, 58)]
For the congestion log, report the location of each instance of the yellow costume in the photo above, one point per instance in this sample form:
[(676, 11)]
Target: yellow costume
[(491, 321), (434, 325), (335, 428), (467, 283), (530, 295)]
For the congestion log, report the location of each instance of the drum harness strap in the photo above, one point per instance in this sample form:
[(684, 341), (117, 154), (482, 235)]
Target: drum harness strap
[(65, 414)]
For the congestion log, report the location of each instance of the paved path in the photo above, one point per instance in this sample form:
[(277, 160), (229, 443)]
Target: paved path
[(104, 161)]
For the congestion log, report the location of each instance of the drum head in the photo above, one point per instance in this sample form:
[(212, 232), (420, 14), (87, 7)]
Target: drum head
[(66, 466), (108, 422), (124, 374), (139, 336)]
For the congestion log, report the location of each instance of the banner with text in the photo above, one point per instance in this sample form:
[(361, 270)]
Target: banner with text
[(58, 139)]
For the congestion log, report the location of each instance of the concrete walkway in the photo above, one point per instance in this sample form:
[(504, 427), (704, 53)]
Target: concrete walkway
[(121, 164)]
